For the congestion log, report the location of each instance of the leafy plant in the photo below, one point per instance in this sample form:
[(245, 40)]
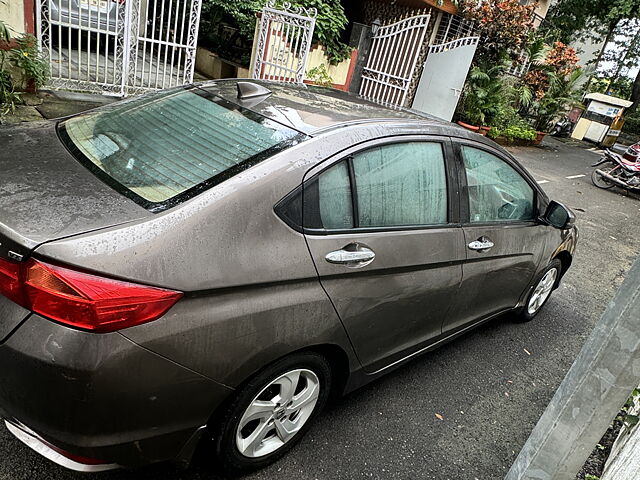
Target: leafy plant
[(484, 94), (562, 95), (320, 76), (504, 26), (27, 57), (588, 476), (519, 132), (513, 132), (632, 124), (560, 60), (8, 96)]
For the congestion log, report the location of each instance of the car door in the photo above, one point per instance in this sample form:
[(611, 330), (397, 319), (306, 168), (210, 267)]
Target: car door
[(504, 241), (381, 224)]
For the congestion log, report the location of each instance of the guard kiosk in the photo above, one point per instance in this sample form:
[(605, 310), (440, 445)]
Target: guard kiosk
[(602, 112)]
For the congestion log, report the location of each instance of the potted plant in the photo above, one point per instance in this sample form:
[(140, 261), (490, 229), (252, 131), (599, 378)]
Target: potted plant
[(484, 97), (27, 58)]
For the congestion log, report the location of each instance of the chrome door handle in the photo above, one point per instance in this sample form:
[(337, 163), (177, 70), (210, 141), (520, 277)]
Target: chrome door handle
[(352, 256), (481, 244)]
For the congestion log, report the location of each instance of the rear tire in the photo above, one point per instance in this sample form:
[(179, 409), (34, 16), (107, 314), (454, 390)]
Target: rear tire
[(600, 182), (541, 291), (271, 413)]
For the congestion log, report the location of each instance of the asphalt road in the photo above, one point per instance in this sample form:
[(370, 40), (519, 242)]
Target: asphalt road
[(490, 387)]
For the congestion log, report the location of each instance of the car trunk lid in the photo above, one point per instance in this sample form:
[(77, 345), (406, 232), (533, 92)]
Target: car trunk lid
[(45, 194)]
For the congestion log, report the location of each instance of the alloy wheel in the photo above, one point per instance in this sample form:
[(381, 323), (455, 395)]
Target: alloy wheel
[(542, 291), (277, 413)]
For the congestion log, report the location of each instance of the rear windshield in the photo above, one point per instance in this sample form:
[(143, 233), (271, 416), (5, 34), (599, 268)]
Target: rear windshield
[(164, 147)]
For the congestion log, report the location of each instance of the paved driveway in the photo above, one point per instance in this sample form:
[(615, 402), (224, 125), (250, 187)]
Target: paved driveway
[(490, 387)]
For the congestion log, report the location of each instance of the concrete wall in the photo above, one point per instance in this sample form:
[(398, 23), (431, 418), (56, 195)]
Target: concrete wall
[(339, 73), (543, 8), (12, 14), (212, 66)]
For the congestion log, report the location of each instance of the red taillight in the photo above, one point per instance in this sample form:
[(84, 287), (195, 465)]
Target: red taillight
[(80, 299), (10, 280)]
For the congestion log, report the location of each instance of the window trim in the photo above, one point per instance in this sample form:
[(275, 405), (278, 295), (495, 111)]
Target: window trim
[(465, 215), (452, 183)]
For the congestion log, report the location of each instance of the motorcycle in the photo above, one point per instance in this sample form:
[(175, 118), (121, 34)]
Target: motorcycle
[(633, 153), (617, 170), (562, 128)]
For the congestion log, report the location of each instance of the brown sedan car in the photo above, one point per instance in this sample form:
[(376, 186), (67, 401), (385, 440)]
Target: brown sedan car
[(212, 262)]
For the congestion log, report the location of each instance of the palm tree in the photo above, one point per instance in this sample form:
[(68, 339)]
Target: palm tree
[(484, 93), (563, 94)]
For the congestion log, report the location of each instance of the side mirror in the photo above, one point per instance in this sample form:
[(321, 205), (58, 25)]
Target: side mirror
[(558, 216)]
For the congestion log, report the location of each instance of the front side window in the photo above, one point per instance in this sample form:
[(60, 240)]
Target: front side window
[(497, 192), (161, 145)]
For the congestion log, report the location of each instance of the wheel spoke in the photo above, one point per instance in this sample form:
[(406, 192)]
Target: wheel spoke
[(308, 395), (285, 429), (288, 384), (250, 444), (259, 409)]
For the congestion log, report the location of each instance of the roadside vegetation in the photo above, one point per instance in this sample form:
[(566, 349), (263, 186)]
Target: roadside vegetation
[(521, 80), (22, 68), (616, 23)]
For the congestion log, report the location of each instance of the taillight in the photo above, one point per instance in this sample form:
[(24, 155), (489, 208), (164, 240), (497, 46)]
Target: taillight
[(10, 280), (82, 300)]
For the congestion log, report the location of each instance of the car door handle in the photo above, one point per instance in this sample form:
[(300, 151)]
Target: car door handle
[(483, 243), (352, 256)]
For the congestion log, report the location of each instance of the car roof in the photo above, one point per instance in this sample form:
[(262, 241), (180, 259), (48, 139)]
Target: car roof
[(313, 109)]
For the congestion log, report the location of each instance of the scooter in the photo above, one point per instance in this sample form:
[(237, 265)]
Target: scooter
[(617, 170), (562, 128)]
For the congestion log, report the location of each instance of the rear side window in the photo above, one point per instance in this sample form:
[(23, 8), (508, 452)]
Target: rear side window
[(497, 192), (160, 146), (401, 184), (334, 198), (395, 185)]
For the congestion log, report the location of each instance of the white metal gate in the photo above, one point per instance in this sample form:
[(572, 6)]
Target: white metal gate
[(284, 41), (118, 46), (392, 60), (438, 93)]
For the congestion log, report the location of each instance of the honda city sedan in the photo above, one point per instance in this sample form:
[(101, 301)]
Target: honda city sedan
[(212, 263)]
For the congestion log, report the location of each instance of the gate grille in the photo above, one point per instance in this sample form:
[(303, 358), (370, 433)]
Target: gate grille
[(392, 60), (284, 42), (118, 46)]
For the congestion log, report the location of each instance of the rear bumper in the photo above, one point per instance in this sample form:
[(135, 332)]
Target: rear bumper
[(100, 396), (32, 440)]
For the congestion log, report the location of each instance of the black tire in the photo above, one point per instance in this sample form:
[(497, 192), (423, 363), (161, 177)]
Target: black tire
[(600, 182), (524, 314), (228, 456)]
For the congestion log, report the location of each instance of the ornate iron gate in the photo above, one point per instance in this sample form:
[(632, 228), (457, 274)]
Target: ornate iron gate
[(284, 41), (392, 60), (118, 46)]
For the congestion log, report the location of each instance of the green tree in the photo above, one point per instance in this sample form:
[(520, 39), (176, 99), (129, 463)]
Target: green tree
[(597, 19)]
